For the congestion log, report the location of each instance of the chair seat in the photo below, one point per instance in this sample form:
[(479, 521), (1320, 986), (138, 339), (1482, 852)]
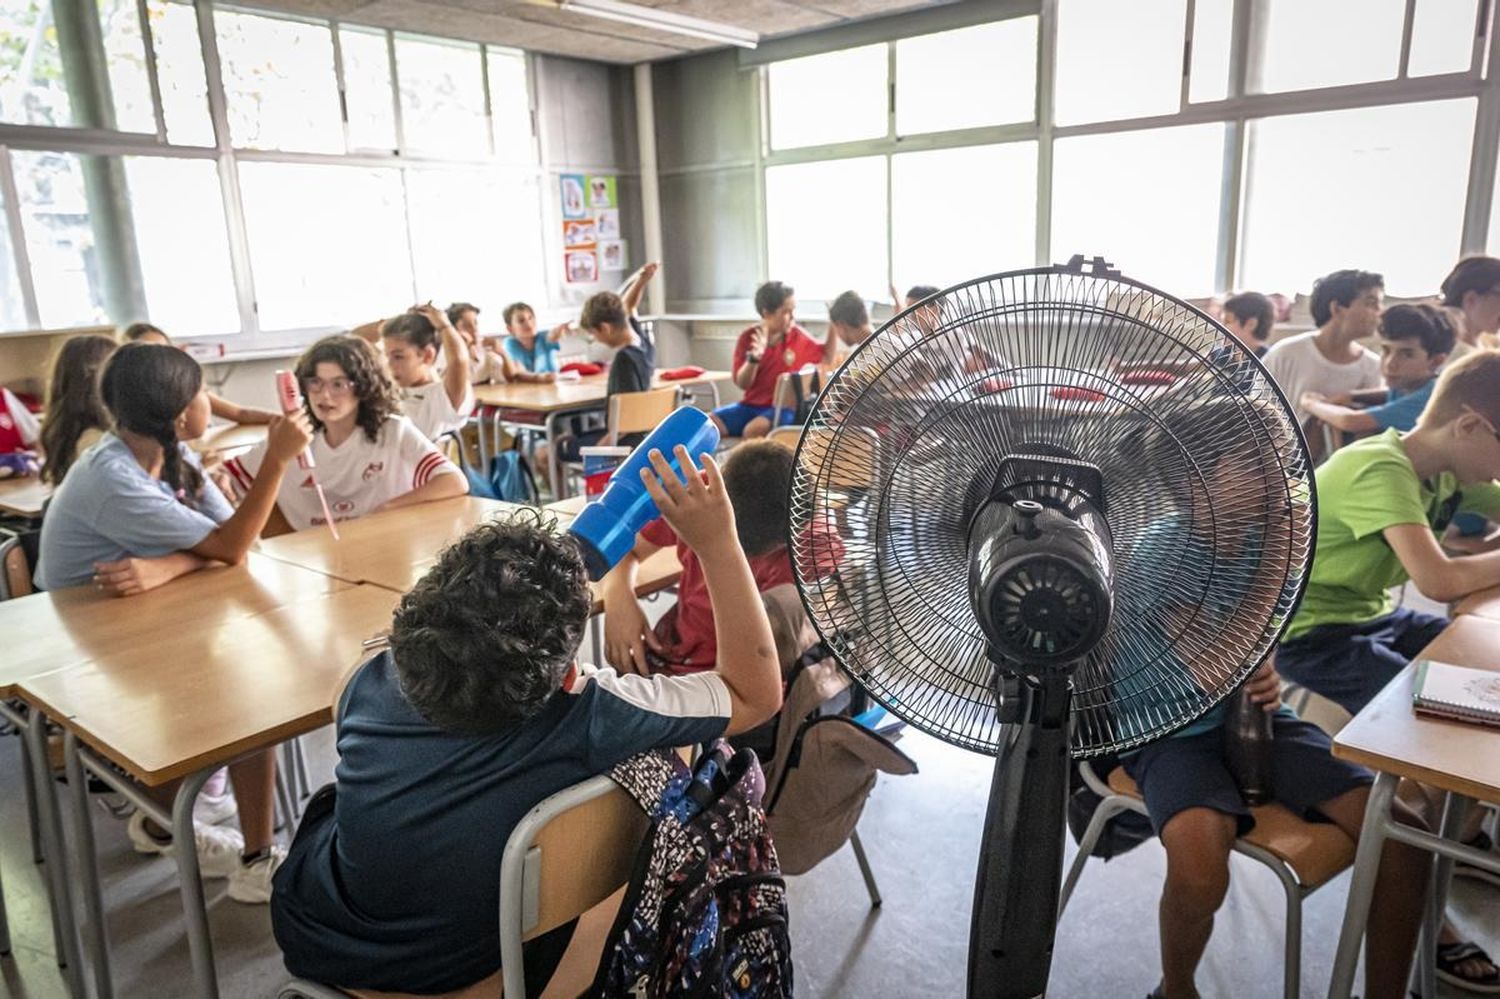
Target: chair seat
[(488, 988), (1315, 851)]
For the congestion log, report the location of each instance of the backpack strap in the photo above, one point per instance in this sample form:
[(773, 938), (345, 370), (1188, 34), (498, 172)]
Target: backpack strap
[(647, 776)]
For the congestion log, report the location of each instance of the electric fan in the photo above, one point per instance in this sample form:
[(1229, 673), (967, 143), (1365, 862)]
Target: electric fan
[(1044, 511)]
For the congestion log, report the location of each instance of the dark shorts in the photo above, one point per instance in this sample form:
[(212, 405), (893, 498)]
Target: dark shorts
[(1350, 663), (1178, 773), (737, 415)]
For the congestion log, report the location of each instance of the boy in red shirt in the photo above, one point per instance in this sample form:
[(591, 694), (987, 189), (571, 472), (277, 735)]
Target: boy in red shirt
[(763, 353)]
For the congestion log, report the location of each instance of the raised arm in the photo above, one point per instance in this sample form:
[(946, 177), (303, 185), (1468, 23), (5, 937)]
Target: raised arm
[(231, 540), (627, 633), (635, 286), (235, 413), (456, 374), (744, 372)]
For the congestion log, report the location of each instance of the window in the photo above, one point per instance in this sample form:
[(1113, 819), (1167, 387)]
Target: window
[(985, 75), (824, 99), (125, 56), (183, 245), (1303, 222), (1213, 29), (179, 69), (962, 213), (1442, 36), (12, 308), (33, 90), (442, 97), (1326, 43), (369, 100), (59, 234), (1146, 201), (327, 243), (458, 220), (279, 84), (826, 226), (1118, 60), (510, 106)]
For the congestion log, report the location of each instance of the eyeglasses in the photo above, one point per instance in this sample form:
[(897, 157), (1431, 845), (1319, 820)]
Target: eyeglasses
[(335, 386), (1487, 424)]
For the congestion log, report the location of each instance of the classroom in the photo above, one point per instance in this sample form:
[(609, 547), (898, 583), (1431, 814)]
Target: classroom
[(862, 499)]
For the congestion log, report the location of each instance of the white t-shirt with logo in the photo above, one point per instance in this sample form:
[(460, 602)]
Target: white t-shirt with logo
[(429, 407), (358, 477), (1299, 366)]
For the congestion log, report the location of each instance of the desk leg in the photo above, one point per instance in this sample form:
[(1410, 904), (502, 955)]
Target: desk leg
[(1455, 810), (1362, 887), (86, 857), (190, 883), (64, 931), (554, 466)]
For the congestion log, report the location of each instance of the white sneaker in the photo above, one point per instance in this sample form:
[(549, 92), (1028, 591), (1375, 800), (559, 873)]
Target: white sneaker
[(251, 883), (211, 809), (218, 849)]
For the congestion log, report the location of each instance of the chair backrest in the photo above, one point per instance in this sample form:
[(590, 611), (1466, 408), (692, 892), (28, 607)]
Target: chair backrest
[(785, 396), (15, 570), (787, 437), (567, 855), (640, 412)]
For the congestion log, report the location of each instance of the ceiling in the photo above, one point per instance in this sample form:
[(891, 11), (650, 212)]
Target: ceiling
[(541, 27)]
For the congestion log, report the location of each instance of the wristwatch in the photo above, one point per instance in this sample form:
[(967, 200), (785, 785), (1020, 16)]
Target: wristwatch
[(752, 358)]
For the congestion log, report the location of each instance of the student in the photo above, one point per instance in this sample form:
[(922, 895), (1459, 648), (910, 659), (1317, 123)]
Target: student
[(1250, 316), (135, 512), (850, 319), (611, 320), (1415, 341), (1346, 307), (219, 406), (477, 712), (437, 405), (486, 363), (765, 352), (1473, 288), (533, 355), (76, 417), (367, 457)]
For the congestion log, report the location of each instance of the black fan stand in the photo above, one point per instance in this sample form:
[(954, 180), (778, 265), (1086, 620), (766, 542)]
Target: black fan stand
[(1021, 853)]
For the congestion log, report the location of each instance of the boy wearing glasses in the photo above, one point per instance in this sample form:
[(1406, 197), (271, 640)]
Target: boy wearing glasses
[(367, 456)]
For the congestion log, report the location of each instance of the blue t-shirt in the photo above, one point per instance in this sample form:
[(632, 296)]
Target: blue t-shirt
[(397, 887), (542, 356), (108, 508), (1402, 409)]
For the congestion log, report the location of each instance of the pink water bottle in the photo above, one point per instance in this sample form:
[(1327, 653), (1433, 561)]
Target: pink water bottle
[(290, 397)]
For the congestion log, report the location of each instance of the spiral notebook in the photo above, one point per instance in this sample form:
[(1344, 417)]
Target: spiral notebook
[(1457, 692)]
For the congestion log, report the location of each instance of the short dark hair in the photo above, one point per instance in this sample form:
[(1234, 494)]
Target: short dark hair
[(1477, 273), (1423, 322), (849, 309), (771, 296), (602, 309), (457, 309), (483, 640), (509, 315), (135, 331), (1342, 287), (1248, 305), (917, 292), (758, 477), (362, 366), (413, 327)]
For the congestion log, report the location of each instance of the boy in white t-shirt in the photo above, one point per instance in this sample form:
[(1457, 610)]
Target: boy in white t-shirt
[(1329, 360), (437, 404), (367, 457)]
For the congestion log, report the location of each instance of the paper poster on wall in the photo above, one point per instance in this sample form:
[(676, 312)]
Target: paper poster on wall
[(582, 267), (574, 206), (612, 255), (607, 223), (579, 234), (602, 193)]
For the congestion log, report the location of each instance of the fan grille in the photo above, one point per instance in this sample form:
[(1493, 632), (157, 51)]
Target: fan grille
[(1207, 483)]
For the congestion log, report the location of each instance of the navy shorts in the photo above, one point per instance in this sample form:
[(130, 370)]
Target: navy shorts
[(736, 415), (1178, 773), (1350, 663)]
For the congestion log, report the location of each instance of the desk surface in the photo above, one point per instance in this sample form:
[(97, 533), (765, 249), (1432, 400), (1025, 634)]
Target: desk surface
[(549, 397), (1388, 736), (23, 496)]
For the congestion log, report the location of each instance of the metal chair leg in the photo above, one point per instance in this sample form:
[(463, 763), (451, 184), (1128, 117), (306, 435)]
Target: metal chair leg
[(864, 869), (33, 821), (87, 857), (299, 757), (1107, 809), (285, 817), (4, 922)]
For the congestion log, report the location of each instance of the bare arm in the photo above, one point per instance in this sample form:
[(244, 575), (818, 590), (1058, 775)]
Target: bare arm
[(369, 331), (1442, 577), (130, 576), (235, 413), (439, 487), (635, 286), (627, 633), (830, 346), (1355, 421), (456, 375), (744, 375), (231, 540)]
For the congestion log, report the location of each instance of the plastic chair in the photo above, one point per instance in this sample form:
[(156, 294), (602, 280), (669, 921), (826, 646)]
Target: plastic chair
[(1303, 855), (784, 398)]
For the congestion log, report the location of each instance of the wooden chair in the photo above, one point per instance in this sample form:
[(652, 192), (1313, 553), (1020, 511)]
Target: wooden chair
[(631, 413), (1303, 855)]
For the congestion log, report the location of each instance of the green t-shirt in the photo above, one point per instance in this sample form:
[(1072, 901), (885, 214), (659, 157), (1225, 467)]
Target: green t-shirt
[(1363, 489)]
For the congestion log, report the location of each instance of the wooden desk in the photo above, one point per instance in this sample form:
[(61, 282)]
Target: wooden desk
[(23, 497), (1485, 604), (569, 508)]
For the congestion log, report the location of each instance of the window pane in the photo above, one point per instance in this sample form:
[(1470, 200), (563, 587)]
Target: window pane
[(125, 53), (183, 245), (368, 98), (1442, 36), (179, 69), (510, 106), (279, 83), (826, 226), (59, 239), (1146, 201), (967, 78), (962, 213), (32, 88), (442, 97), (1325, 43), (327, 243), (1213, 28), (460, 262), (1302, 223), (823, 99), (12, 309), (1118, 60)]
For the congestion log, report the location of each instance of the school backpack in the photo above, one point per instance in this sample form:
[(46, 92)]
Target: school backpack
[(804, 399), (510, 477), (705, 913)]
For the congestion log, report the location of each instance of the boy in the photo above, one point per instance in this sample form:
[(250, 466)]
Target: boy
[(850, 319), (1415, 341), (611, 320), (477, 712), (1346, 307), (765, 352), (533, 356), (1249, 316), (486, 363)]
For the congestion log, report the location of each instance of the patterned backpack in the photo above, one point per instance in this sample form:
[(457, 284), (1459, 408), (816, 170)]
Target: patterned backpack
[(705, 913)]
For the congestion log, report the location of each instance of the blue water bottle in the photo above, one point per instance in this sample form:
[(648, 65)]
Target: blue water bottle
[(607, 527)]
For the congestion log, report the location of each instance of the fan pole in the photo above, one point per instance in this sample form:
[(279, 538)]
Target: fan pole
[(1021, 854)]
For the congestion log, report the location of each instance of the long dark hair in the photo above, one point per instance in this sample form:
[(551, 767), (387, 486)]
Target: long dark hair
[(73, 401), (146, 387), (362, 366)]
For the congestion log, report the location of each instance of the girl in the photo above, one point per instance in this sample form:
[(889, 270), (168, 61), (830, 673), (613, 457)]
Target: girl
[(436, 405), (136, 511), (76, 417), (367, 457), (221, 408)]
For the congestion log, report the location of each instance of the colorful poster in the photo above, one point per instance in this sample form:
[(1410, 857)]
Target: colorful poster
[(582, 266), (602, 193), (574, 205), (579, 234), (608, 223), (612, 255)]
